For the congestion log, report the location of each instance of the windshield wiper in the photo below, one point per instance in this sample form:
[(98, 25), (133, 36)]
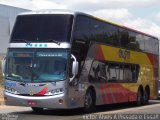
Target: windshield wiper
[(48, 40), (26, 41), (52, 40)]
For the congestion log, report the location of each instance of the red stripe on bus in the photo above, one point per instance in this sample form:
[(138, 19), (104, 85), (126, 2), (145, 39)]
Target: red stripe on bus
[(153, 59), (108, 94), (43, 91), (102, 93)]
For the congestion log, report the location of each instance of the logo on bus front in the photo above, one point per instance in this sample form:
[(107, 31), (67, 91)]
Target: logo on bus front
[(35, 45), (125, 54), (31, 93)]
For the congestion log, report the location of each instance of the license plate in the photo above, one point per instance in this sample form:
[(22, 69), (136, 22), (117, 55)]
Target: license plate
[(32, 103)]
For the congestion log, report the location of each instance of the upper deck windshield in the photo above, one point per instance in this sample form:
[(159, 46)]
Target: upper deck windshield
[(36, 65), (41, 28)]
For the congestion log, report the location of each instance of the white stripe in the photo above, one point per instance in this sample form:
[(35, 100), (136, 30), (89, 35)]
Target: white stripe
[(48, 11), (39, 45)]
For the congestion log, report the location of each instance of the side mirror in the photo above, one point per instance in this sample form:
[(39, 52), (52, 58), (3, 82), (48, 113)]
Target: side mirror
[(74, 67), (3, 65)]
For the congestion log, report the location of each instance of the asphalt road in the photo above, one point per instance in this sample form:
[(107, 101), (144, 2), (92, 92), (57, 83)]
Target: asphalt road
[(24, 113)]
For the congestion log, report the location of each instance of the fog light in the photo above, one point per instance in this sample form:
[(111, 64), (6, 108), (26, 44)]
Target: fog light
[(60, 101)]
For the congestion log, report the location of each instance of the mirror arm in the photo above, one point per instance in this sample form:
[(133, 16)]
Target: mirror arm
[(74, 74)]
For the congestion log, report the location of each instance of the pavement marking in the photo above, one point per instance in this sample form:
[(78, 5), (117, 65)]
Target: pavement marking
[(128, 109), (8, 109), (5, 107)]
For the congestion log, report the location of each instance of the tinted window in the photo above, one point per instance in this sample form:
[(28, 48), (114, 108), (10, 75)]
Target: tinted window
[(127, 73), (82, 29), (42, 28), (81, 39), (124, 38), (155, 46), (111, 35), (151, 45), (113, 72), (128, 39), (90, 29), (97, 30), (140, 41), (98, 72), (148, 44)]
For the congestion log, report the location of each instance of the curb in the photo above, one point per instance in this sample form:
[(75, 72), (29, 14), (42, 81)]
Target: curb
[(2, 103), (1, 96)]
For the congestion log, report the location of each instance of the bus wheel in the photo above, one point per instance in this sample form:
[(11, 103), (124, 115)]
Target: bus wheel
[(89, 103), (36, 109), (139, 101), (146, 96)]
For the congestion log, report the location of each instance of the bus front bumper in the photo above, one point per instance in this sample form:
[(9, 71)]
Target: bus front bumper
[(54, 102)]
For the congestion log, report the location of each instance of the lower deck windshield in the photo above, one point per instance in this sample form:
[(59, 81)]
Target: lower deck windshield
[(36, 65)]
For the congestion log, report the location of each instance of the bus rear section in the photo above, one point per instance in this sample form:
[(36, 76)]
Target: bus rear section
[(117, 78), (117, 64)]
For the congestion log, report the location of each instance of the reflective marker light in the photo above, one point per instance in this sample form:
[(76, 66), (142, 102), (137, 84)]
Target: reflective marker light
[(60, 101)]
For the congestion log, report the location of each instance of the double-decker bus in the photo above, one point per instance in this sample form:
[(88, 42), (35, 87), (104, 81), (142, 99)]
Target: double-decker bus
[(64, 59)]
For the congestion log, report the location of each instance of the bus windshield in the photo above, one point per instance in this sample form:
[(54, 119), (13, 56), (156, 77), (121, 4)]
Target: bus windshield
[(41, 28), (36, 66)]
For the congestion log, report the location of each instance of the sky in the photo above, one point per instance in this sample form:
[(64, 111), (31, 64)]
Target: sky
[(142, 15)]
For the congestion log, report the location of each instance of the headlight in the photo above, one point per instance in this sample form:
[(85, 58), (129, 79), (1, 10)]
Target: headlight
[(55, 91), (10, 90)]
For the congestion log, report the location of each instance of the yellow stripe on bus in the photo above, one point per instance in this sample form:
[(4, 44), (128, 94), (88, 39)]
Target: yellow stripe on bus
[(109, 22)]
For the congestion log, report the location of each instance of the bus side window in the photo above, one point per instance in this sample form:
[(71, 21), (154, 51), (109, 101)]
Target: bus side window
[(133, 70), (127, 73), (93, 75), (131, 73), (137, 72), (113, 72), (98, 72), (81, 40), (102, 72)]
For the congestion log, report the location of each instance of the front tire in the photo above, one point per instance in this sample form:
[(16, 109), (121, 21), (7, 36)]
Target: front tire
[(89, 103)]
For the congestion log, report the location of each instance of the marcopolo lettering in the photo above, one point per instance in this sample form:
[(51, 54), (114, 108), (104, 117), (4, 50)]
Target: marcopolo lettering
[(125, 54)]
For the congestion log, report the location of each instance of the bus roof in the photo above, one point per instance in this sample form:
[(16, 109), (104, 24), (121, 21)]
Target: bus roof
[(48, 11), (57, 11)]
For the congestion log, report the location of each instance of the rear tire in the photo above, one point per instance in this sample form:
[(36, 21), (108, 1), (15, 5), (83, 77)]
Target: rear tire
[(146, 97), (139, 101), (36, 109), (89, 103)]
